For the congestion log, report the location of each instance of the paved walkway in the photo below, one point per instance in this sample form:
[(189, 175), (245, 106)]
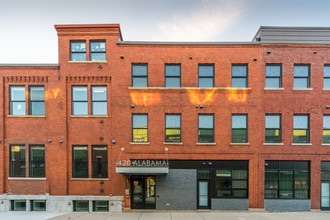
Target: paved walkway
[(169, 215)]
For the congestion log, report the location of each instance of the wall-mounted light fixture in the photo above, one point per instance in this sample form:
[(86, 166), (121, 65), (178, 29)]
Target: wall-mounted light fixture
[(201, 106), (268, 51), (122, 56), (49, 140), (132, 105), (190, 57), (113, 141), (255, 59), (60, 141), (327, 107)]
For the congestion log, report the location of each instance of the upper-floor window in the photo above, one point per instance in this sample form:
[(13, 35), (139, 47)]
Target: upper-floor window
[(36, 100), (239, 76), (273, 128), (80, 161), (78, 50), (205, 75), (139, 128), (301, 129), (97, 50), (326, 76), (273, 76), (172, 75), (326, 129), (140, 75), (172, 128), (36, 161), (239, 132), (98, 100), (205, 128), (100, 161), (301, 76)]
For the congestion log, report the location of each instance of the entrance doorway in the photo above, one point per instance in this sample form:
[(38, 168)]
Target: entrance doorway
[(143, 194)]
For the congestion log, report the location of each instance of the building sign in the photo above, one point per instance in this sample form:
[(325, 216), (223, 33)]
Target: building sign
[(142, 163)]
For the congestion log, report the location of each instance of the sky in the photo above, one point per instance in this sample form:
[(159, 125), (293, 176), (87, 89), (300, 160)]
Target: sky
[(27, 33)]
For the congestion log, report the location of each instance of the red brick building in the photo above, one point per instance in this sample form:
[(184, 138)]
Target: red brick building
[(167, 125)]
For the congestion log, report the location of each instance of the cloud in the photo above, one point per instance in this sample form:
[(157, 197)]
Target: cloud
[(204, 22)]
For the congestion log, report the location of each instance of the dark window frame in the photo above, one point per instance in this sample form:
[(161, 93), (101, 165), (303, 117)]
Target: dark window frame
[(13, 100), (203, 132), (202, 76), (33, 101), (326, 130), (80, 166), (239, 76), (97, 51), (79, 51), (297, 77), (17, 161), (37, 166), (326, 76), (95, 101), (172, 76), (273, 130), (138, 76), (296, 129), (100, 163), (271, 76), (168, 136), (243, 130), (136, 129)]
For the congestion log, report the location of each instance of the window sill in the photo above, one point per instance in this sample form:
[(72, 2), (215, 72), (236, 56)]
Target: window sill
[(302, 89), (89, 179), (89, 116), (139, 143), (26, 116), (274, 89), (173, 143), (27, 178), (273, 144), (242, 144), (88, 61), (326, 145), (206, 144), (187, 88), (301, 144)]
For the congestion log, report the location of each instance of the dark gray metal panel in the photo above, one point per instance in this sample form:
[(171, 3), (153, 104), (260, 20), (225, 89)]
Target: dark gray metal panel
[(177, 190), (230, 204), (287, 205)]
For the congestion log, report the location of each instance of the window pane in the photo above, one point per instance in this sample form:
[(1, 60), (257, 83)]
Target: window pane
[(37, 103), (80, 103), (239, 121), (301, 70), (99, 100), (272, 121), (17, 100), (172, 82), (239, 82), (37, 93), (273, 70), (37, 161), (78, 51), (300, 121), (205, 82), (173, 128), (300, 83), (79, 93), (80, 108), (273, 83), (80, 162), (17, 161), (139, 70), (326, 77), (205, 75), (239, 70), (205, 131), (140, 128), (172, 70)]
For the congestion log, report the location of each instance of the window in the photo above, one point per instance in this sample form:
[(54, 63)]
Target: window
[(273, 76), (326, 129), (140, 128), (100, 206), (17, 161), (37, 161), (81, 206), (172, 75), (287, 179), (18, 205), (80, 100), (301, 76), (205, 128), (326, 78), (173, 128), (206, 75), (97, 50), (239, 129), (38, 205), (36, 100), (239, 76), (139, 75), (273, 129), (231, 179), (100, 161), (17, 100), (80, 162), (78, 50), (99, 100), (301, 129)]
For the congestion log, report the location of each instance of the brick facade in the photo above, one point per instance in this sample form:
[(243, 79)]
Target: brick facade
[(58, 130)]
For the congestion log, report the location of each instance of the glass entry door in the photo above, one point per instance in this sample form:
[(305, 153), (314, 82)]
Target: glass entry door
[(203, 194), (143, 194), (325, 195)]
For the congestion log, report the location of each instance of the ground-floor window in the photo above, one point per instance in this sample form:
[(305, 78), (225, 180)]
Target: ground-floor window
[(38, 205), (81, 206), (231, 179), (287, 179), (18, 205), (325, 185), (100, 206)]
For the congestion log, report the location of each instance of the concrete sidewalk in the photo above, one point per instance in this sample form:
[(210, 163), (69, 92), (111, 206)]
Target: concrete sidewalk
[(167, 215)]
